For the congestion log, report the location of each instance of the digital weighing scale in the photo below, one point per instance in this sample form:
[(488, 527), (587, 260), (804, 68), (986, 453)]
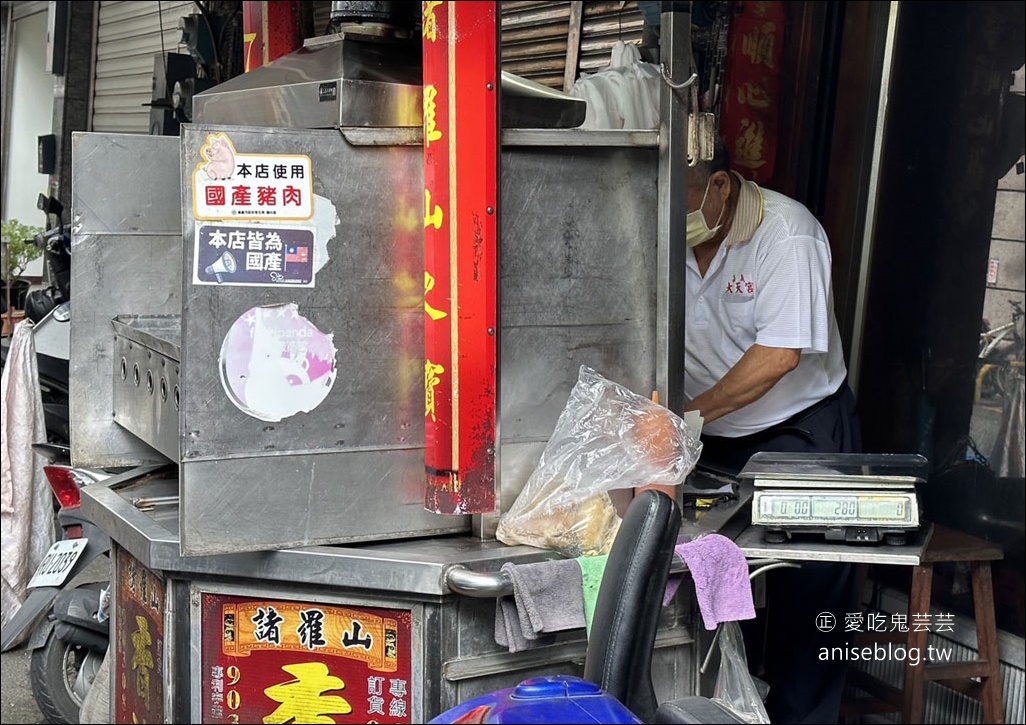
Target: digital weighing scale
[(851, 497)]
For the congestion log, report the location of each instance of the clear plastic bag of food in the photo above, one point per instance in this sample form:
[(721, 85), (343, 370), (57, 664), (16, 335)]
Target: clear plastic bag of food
[(606, 438)]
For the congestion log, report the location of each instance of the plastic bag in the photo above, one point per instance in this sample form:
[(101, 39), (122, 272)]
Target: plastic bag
[(625, 94), (606, 438), (735, 689)]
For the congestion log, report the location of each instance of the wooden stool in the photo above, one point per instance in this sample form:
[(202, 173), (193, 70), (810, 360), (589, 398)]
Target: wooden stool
[(947, 545)]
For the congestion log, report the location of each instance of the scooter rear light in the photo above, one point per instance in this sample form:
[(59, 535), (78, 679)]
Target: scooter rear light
[(73, 532), (65, 485)]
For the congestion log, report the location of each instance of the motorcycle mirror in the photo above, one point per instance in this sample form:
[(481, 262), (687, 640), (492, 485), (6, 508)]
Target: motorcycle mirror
[(49, 205)]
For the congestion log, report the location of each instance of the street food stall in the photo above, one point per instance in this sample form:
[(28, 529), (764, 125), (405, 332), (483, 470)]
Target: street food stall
[(252, 301), (327, 333)]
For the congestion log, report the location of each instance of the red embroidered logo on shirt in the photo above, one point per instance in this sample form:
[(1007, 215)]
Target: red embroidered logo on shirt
[(738, 285)]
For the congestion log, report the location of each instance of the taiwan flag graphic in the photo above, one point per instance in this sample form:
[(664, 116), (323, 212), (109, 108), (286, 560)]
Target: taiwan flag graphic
[(297, 254)]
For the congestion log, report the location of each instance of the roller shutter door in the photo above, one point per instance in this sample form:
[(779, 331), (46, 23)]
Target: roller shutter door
[(321, 17), (537, 38), (534, 45), (128, 35)]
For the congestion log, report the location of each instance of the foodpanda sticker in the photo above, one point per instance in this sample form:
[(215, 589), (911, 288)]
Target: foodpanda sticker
[(230, 185), (275, 363)]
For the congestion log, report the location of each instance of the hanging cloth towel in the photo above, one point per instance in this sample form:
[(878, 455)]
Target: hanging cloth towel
[(592, 569), (508, 632), (547, 598), (720, 572), (27, 503)]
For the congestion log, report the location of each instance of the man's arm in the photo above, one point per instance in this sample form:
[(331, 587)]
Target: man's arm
[(752, 376)]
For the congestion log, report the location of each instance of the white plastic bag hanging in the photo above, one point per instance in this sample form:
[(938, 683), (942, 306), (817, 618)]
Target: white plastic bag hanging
[(624, 95), (606, 438)]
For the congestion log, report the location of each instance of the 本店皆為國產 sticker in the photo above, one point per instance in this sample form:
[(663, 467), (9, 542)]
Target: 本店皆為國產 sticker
[(255, 255)]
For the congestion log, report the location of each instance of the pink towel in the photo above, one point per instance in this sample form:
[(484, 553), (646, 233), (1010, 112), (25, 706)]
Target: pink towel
[(720, 572)]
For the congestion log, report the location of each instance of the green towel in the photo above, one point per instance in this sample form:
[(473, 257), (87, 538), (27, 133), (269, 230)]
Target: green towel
[(592, 568)]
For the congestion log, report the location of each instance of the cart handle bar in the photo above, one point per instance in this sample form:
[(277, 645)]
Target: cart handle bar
[(487, 585)]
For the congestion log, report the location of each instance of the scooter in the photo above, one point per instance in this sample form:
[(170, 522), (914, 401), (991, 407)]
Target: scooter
[(52, 339), (50, 311), (69, 625), (55, 243)]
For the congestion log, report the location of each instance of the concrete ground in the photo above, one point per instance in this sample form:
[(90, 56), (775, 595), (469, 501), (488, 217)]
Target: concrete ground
[(17, 704)]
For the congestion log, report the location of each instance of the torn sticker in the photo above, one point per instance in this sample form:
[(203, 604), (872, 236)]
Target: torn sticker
[(275, 363), (326, 220)]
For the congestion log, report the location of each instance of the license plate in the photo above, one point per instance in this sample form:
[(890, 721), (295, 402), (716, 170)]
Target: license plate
[(58, 563)]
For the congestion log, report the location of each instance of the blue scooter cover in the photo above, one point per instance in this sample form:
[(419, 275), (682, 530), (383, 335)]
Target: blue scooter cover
[(553, 699)]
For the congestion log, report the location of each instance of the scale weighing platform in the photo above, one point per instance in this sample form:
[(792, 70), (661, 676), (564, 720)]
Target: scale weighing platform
[(849, 497)]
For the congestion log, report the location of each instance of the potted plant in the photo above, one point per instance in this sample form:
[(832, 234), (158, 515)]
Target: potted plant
[(19, 248)]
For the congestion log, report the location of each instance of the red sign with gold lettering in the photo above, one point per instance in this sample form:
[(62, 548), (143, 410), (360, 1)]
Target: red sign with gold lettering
[(461, 88), (279, 661), (748, 121), (139, 642)]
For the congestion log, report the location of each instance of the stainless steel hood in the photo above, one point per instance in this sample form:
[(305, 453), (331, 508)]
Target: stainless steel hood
[(352, 79), (343, 80)]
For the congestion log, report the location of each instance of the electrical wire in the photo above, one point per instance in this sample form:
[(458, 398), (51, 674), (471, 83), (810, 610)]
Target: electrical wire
[(163, 53)]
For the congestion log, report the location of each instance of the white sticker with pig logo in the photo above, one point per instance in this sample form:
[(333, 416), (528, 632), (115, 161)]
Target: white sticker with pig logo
[(230, 185)]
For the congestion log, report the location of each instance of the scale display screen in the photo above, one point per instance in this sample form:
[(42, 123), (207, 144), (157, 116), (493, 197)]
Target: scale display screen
[(830, 508)]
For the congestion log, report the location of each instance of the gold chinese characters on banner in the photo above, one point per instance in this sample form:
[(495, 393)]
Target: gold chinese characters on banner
[(749, 118)]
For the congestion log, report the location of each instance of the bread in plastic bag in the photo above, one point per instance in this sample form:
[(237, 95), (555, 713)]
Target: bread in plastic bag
[(606, 438)]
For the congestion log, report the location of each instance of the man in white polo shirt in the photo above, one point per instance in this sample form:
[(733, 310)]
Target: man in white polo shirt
[(764, 366)]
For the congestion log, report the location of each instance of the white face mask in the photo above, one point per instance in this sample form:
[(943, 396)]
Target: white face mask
[(697, 230)]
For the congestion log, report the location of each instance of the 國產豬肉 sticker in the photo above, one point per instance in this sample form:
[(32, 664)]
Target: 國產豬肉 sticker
[(276, 363)]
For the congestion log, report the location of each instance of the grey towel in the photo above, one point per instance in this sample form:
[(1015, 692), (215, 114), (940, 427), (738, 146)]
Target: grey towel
[(547, 597), (508, 632)]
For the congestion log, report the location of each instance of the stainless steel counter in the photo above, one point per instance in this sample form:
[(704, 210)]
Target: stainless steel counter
[(450, 647), (414, 566)]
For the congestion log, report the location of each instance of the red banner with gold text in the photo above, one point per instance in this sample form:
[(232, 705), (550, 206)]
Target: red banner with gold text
[(460, 256), (749, 118)]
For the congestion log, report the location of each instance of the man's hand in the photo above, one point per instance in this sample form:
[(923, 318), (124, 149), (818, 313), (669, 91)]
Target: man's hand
[(752, 376)]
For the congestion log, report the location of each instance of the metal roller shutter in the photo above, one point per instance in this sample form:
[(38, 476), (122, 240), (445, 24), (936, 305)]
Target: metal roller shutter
[(604, 23), (128, 36), (538, 38), (536, 41), (321, 17)]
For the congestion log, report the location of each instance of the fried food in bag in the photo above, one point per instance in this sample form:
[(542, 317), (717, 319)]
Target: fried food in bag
[(606, 438)]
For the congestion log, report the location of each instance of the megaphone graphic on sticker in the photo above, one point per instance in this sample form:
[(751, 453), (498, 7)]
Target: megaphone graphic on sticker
[(224, 265)]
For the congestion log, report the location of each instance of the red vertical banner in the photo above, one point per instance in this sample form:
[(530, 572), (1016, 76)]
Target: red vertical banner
[(439, 463), (461, 160), (138, 642), (751, 100)]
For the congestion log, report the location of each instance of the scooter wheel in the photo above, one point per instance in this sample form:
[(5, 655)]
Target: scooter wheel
[(61, 674)]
